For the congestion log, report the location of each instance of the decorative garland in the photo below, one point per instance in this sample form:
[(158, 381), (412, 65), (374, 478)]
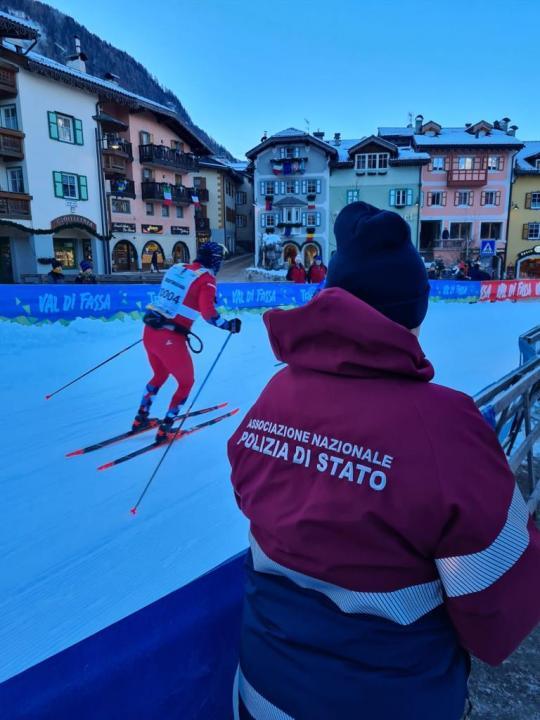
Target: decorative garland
[(50, 231)]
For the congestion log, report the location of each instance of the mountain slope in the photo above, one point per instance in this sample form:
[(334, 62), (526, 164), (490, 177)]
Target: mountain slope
[(56, 41)]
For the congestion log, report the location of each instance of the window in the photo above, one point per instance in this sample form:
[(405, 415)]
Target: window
[(179, 212), (289, 152), (64, 252), (495, 163), (353, 196), (178, 180), (400, 197), (312, 187), (268, 220), (15, 179), (436, 198), (241, 221), (460, 231), (268, 187), (533, 231), (291, 187), (164, 211), (145, 138), (149, 208), (372, 162), (490, 231), (65, 128), (465, 163), (8, 117), (311, 219), (70, 186), (291, 215), (228, 187), (491, 197), (147, 175), (438, 164), (121, 206), (241, 198), (177, 145), (463, 198)]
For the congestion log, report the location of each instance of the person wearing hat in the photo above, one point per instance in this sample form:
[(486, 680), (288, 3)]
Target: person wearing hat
[(56, 275), (388, 538), (297, 272), (187, 291), (317, 271)]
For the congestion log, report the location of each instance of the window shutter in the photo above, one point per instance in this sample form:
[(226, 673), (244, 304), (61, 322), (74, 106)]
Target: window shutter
[(296, 187), (304, 187), (525, 233), (318, 186), (501, 163), (58, 188), (263, 187), (471, 197), (430, 198), (392, 198), (263, 220), (446, 164), (318, 217), (528, 200), (430, 166), (483, 198), (77, 125), (83, 187), (282, 152), (53, 126), (444, 198), (296, 152), (409, 196), (498, 197), (304, 219), (283, 187)]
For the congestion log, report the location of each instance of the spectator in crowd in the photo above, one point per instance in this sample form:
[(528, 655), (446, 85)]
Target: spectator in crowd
[(86, 275), (297, 272), (56, 275), (317, 271)]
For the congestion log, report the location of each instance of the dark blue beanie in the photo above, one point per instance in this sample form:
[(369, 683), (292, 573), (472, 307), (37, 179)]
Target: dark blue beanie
[(376, 261)]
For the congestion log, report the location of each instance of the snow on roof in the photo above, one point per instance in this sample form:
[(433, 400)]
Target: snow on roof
[(532, 148), (405, 154), (20, 21), (396, 131), (290, 132), (459, 136), (411, 154)]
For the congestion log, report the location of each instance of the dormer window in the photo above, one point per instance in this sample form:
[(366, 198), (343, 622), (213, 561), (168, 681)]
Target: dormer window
[(372, 163), (431, 128)]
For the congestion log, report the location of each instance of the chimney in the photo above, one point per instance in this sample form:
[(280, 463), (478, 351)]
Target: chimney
[(77, 61), (337, 138), (418, 122), (319, 134), (111, 77), (512, 130), (264, 136), (504, 123)]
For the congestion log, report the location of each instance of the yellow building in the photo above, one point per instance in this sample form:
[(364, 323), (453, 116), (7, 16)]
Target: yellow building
[(523, 249)]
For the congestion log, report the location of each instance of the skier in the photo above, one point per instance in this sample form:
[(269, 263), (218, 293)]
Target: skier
[(186, 291), (388, 537), (297, 272), (317, 271)]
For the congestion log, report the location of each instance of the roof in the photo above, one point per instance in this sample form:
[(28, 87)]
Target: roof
[(235, 169), (105, 90), (291, 134), (396, 131), (531, 149), (450, 136), (12, 26), (405, 156), (290, 202)]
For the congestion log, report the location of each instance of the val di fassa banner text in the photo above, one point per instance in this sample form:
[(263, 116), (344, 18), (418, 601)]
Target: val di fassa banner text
[(30, 304)]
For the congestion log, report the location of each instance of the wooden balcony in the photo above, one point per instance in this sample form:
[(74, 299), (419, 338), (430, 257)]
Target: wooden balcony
[(154, 191), (11, 144), (114, 145), (466, 178), (15, 206), (201, 193), (163, 156), (114, 165), (8, 83), (122, 188)]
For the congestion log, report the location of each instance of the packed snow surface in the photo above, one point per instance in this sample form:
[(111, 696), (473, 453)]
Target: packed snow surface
[(73, 558)]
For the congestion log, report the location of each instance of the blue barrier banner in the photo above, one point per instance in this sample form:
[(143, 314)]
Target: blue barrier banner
[(38, 303)]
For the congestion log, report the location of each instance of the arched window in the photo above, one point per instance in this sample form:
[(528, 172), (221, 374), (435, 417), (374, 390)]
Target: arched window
[(180, 252), (310, 250), (124, 257), (290, 251), (149, 249)]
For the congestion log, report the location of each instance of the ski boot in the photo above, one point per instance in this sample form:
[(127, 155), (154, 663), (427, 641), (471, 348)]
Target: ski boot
[(165, 427), (141, 420)]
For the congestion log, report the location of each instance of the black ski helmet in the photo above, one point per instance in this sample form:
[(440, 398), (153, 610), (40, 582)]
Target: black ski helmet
[(210, 254)]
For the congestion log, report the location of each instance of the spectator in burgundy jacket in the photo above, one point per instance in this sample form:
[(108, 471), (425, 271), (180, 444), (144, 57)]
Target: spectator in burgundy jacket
[(388, 537), (317, 271), (297, 272)]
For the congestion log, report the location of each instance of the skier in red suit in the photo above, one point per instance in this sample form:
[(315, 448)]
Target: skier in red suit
[(186, 292)]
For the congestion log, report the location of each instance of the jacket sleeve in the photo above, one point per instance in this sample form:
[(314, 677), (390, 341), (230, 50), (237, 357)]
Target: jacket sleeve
[(207, 302), (488, 554)]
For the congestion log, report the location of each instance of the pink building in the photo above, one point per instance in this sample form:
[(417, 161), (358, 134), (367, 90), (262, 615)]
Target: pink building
[(156, 199), (465, 189)]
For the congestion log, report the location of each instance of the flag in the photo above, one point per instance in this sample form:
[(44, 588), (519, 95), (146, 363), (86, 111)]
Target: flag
[(167, 195), (195, 201)]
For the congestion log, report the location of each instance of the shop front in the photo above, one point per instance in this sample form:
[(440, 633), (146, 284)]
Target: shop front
[(528, 264)]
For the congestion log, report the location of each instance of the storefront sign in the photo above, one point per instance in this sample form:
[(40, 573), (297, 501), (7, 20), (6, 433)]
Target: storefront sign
[(527, 253), (60, 222), (152, 229), (179, 230), (124, 227)]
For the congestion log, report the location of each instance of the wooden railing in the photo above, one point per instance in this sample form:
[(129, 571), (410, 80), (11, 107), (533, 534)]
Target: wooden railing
[(8, 82), (163, 156), (15, 205), (11, 144), (156, 191)]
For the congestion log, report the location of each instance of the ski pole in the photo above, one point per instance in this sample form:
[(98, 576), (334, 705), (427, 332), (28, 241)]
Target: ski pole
[(48, 397), (134, 509)]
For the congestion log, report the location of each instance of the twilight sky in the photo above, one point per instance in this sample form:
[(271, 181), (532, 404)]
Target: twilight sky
[(244, 66)]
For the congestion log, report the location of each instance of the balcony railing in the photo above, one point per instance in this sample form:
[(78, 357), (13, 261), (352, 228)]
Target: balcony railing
[(163, 156), (156, 191), (15, 205), (11, 144), (467, 178), (114, 165), (115, 145), (8, 82), (202, 225), (201, 193), (123, 188)]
